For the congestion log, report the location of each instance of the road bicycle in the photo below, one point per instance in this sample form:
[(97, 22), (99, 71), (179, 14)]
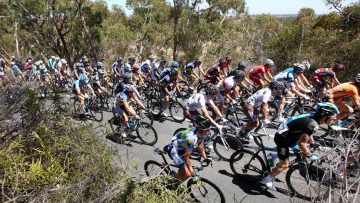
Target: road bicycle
[(91, 107), (144, 131), (304, 178), (202, 190), (176, 109), (224, 145)]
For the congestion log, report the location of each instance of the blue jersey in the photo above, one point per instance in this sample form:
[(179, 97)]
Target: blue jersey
[(286, 76)]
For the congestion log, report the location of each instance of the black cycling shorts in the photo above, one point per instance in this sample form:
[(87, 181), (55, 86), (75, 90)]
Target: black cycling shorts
[(282, 147)]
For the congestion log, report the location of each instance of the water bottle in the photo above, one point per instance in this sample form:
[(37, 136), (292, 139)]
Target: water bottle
[(270, 160), (129, 125)]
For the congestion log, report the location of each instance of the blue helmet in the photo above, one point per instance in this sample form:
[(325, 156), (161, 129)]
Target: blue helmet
[(174, 64), (326, 109), (83, 77)]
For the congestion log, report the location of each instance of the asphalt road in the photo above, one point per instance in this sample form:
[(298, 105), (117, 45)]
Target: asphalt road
[(133, 155)]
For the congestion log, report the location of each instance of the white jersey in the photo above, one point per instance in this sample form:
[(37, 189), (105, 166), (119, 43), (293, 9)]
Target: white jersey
[(261, 96), (226, 84), (196, 101)]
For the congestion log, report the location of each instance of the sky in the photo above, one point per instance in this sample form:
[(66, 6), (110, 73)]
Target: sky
[(271, 6)]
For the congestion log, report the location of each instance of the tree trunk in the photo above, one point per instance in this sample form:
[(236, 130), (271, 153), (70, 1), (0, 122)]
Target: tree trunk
[(16, 40)]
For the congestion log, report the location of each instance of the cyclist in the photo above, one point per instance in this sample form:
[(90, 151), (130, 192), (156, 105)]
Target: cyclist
[(290, 78), (137, 75), (213, 74), (148, 65), (260, 100), (298, 130), (242, 67), (16, 70), (168, 77), (127, 68), (157, 68), (79, 89), (51, 62), (228, 86), (325, 78), (63, 69), (122, 106), (340, 93), (42, 73), (260, 73), (199, 101), (127, 80), (115, 67), (182, 145), (225, 69), (78, 69), (3, 63), (189, 71)]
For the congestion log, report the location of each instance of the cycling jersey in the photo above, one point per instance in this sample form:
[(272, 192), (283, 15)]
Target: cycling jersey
[(214, 71), (321, 76), (78, 84), (50, 63), (115, 66), (293, 128), (226, 84), (155, 71), (189, 68), (165, 76), (146, 66), (343, 91), (197, 101), (120, 87), (260, 97), (15, 69), (286, 76), (259, 70)]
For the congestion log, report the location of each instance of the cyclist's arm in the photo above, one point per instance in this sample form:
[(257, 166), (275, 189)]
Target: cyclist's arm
[(215, 108), (299, 85), (188, 162), (249, 81), (176, 85), (305, 80), (337, 81), (129, 109), (90, 88), (202, 149), (228, 94), (303, 145), (295, 91), (206, 114), (138, 102), (242, 84), (166, 89)]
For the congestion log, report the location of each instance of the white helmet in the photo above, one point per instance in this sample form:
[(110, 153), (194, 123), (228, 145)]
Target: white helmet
[(269, 62), (63, 61)]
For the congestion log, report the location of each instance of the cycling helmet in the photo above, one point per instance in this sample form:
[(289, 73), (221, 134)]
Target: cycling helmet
[(53, 57), (242, 65), (128, 88), (131, 60), (83, 77), (127, 67), (211, 89), (152, 56), (298, 67), (41, 62), (197, 62), (326, 109), (357, 79), (101, 71), (174, 64), (135, 68), (276, 85), (57, 58), (306, 64), (239, 74), (202, 123), (37, 63), (63, 61), (269, 62), (99, 64), (162, 61), (339, 67), (127, 76), (228, 60)]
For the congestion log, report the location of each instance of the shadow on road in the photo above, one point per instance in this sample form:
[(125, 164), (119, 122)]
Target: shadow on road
[(124, 141), (251, 187)]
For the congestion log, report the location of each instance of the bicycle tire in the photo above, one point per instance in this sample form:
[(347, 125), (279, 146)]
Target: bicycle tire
[(142, 137), (184, 89), (174, 107), (313, 174), (153, 105), (218, 194), (301, 110), (149, 165), (96, 112), (241, 167), (222, 152)]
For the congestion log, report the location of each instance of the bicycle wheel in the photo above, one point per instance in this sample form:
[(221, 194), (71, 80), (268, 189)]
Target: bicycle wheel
[(153, 168), (146, 133), (205, 191), (96, 112), (246, 162), (225, 147), (184, 90), (310, 184), (154, 105), (177, 111)]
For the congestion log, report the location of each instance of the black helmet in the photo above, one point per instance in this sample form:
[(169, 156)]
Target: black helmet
[(298, 67), (162, 61), (239, 74), (276, 85), (326, 109), (202, 123), (242, 65), (197, 62), (211, 89), (357, 79)]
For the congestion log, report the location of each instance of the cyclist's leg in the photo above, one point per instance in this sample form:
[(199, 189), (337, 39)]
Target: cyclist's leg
[(283, 155), (345, 110), (252, 115)]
